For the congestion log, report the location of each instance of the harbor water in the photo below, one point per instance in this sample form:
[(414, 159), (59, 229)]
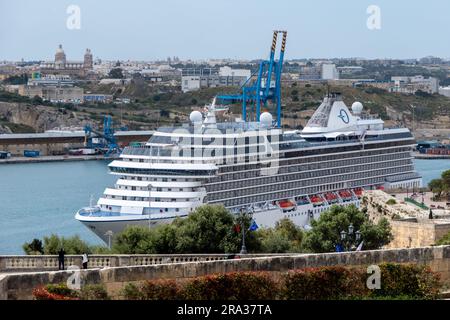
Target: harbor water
[(38, 199)]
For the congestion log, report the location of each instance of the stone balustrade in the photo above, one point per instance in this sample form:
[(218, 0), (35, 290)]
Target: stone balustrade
[(13, 263)]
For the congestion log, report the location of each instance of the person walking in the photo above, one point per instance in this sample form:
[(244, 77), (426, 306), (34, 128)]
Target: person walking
[(61, 254), (85, 260)]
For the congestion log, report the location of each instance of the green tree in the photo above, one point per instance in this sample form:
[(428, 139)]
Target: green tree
[(133, 240), (116, 73), (437, 187), (71, 245), (325, 232), (284, 237), (34, 247), (209, 229), (446, 181), (36, 100)]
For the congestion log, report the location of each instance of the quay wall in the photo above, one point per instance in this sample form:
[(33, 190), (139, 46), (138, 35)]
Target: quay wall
[(20, 285)]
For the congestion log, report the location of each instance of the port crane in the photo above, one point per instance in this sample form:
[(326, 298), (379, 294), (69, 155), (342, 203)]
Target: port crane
[(102, 140), (263, 85)]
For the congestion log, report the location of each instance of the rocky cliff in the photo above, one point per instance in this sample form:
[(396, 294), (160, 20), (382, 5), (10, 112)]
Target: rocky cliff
[(40, 118)]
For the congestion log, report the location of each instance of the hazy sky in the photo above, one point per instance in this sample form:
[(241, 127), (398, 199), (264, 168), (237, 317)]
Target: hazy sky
[(197, 29)]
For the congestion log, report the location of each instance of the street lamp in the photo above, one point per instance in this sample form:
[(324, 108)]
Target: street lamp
[(351, 237), (243, 248)]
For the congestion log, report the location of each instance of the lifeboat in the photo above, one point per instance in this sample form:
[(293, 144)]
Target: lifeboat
[(345, 195), (358, 192), (330, 197), (316, 200), (286, 205)]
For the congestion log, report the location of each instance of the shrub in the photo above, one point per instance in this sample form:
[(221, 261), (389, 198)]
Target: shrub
[(391, 201), (412, 280), (231, 286), (60, 289), (54, 292), (160, 290), (131, 292), (323, 284), (94, 292)]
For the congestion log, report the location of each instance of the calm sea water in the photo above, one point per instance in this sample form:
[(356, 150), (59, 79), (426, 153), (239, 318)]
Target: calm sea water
[(41, 198)]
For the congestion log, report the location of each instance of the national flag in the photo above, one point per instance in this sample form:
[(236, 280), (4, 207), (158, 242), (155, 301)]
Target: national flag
[(253, 226), (360, 246), (339, 248), (237, 228)]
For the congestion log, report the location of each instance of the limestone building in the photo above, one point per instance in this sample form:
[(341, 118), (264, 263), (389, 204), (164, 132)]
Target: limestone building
[(62, 66)]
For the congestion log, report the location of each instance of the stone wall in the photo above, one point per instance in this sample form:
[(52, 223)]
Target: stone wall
[(20, 286), (418, 233)]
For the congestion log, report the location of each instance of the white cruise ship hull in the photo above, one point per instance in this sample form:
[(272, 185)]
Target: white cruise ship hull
[(264, 218)]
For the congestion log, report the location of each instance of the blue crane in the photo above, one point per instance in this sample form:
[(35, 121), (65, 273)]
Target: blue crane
[(109, 140), (265, 87)]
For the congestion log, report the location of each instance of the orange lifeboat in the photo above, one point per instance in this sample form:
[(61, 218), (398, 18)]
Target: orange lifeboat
[(316, 200), (358, 192), (286, 205), (345, 195), (330, 197)]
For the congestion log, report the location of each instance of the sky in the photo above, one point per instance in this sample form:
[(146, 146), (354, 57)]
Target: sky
[(237, 29)]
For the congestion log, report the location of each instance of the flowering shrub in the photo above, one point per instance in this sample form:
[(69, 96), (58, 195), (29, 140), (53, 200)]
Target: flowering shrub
[(231, 286), (398, 281), (42, 293), (323, 283), (62, 292)]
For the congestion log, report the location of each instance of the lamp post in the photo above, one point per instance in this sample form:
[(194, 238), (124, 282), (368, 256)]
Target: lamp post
[(243, 248), (351, 238)]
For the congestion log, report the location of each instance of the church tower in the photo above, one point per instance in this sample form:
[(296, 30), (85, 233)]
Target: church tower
[(88, 61), (60, 58)]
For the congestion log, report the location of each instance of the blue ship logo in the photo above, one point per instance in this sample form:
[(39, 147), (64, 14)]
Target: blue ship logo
[(344, 116)]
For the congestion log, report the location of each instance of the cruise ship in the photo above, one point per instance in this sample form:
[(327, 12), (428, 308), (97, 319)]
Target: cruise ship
[(255, 167)]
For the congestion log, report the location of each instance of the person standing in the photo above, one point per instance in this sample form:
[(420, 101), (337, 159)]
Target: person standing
[(85, 260), (61, 254)]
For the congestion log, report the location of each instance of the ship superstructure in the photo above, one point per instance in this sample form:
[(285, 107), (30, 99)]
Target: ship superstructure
[(255, 167)]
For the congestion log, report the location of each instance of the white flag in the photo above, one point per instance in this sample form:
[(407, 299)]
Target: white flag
[(360, 246)]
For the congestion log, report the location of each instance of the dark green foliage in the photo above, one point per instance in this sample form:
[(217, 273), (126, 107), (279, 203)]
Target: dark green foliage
[(285, 237), (93, 292), (34, 247), (415, 281), (61, 289), (209, 229), (325, 232), (116, 73), (441, 187), (52, 244)]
